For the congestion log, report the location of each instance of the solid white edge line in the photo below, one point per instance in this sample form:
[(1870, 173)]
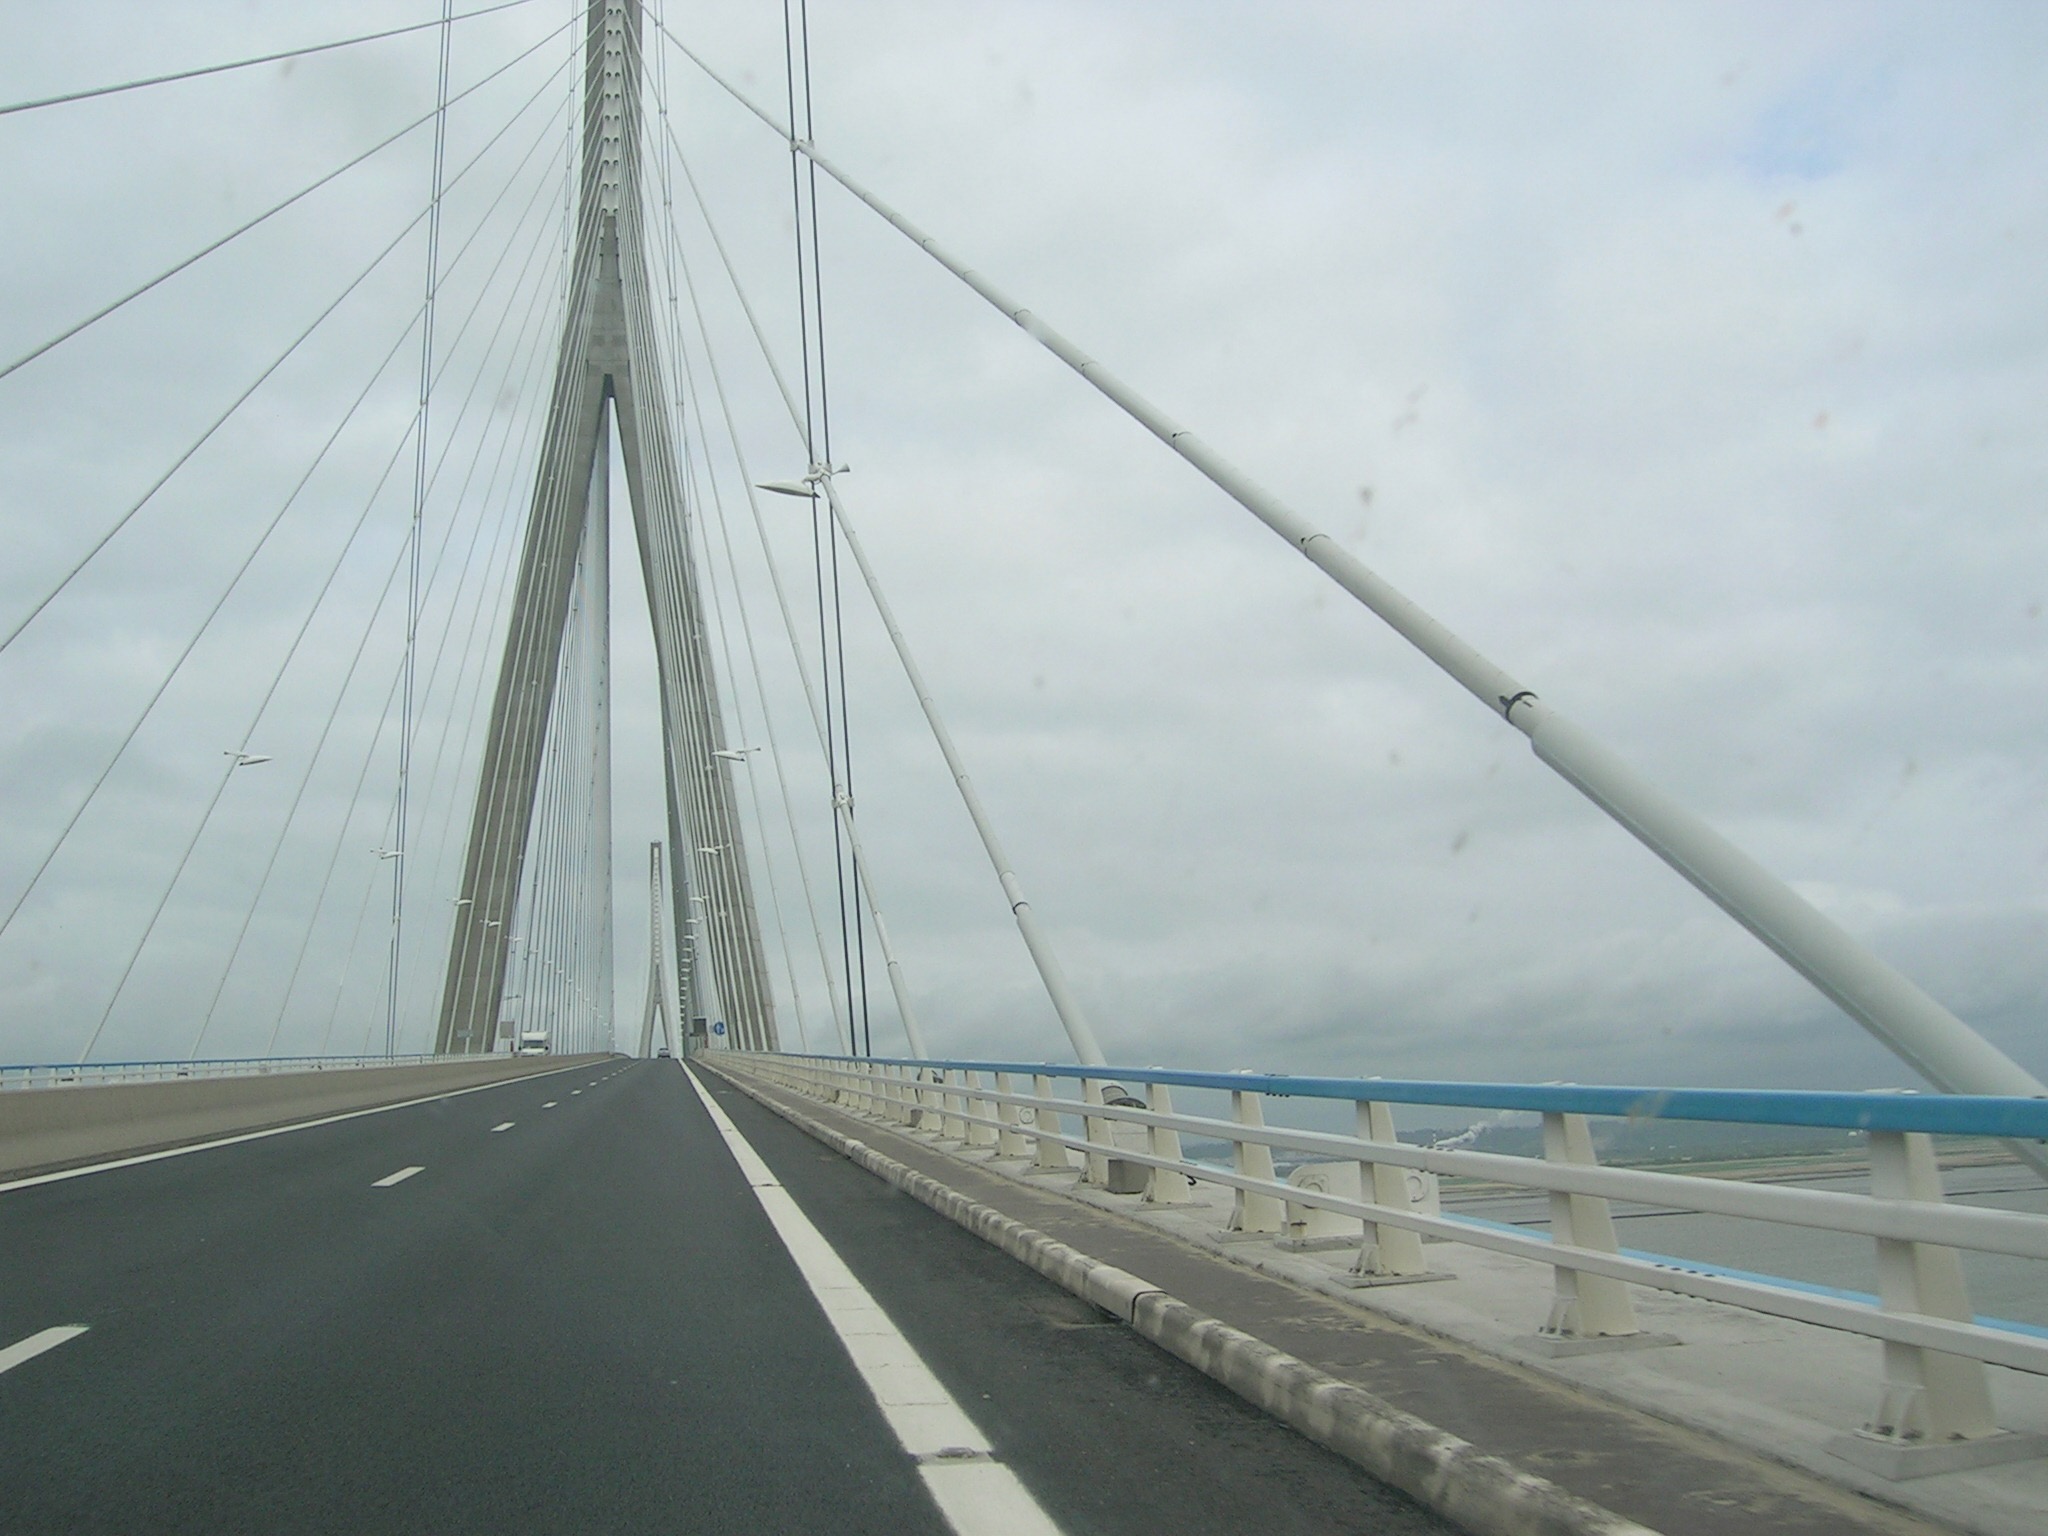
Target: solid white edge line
[(977, 1495), (399, 1177), (274, 1130), (37, 1343)]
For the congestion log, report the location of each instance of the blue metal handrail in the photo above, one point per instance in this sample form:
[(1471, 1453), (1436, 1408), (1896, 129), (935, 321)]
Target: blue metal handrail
[(1936, 1114)]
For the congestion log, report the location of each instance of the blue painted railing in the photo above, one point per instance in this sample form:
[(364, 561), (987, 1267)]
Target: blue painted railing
[(1945, 1114)]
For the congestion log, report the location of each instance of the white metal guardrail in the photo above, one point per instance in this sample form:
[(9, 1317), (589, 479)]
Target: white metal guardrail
[(1935, 1390), (84, 1074)]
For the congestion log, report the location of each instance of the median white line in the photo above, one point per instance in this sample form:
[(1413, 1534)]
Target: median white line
[(36, 1343), (977, 1494), (505, 1127), (399, 1177)]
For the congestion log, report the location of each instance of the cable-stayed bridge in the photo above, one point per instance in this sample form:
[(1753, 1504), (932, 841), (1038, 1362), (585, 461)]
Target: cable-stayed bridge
[(384, 611)]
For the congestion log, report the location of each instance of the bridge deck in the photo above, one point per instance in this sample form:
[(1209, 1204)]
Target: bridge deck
[(582, 1321), (1674, 1479)]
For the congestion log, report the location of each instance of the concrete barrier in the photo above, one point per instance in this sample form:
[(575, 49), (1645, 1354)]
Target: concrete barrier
[(42, 1129)]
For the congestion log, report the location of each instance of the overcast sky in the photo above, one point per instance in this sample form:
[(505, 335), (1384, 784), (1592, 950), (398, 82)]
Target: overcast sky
[(1688, 360)]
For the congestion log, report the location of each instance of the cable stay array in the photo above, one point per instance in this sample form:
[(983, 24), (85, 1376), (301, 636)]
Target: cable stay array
[(1947, 1052), (337, 757), (426, 633), (832, 527), (270, 529), (308, 691)]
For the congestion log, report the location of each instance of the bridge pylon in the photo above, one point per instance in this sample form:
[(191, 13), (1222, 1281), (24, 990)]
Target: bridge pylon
[(609, 369), (658, 1003)]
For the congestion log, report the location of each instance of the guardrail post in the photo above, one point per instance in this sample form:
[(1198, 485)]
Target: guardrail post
[(1010, 1142), (1388, 1250), (1167, 1186), (1098, 1133), (1050, 1156), (951, 1126), (978, 1135), (1929, 1398), (1584, 1306), (929, 1101), (1253, 1160)]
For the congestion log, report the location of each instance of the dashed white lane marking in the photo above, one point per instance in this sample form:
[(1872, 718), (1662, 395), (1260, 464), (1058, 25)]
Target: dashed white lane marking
[(399, 1177), (505, 1127), (573, 1092), (977, 1494), (36, 1343), (551, 1103)]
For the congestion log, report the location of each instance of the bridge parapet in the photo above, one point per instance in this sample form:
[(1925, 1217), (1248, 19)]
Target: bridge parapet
[(1372, 1194), (85, 1074), (64, 1122)]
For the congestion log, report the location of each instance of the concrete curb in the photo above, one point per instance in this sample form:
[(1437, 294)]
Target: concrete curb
[(1485, 1494)]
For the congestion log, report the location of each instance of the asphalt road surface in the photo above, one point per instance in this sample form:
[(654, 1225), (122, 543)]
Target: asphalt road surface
[(557, 1304)]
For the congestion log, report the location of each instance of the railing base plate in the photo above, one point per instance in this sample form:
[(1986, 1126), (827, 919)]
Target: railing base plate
[(1898, 1462), (1352, 1280), (1561, 1346), (1319, 1244)]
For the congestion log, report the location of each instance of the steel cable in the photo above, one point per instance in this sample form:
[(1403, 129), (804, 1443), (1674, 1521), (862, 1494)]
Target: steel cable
[(240, 400), (276, 208), (199, 633), (91, 92)]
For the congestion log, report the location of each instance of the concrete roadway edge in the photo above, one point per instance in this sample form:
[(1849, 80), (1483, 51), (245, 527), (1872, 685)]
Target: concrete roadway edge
[(1487, 1495)]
